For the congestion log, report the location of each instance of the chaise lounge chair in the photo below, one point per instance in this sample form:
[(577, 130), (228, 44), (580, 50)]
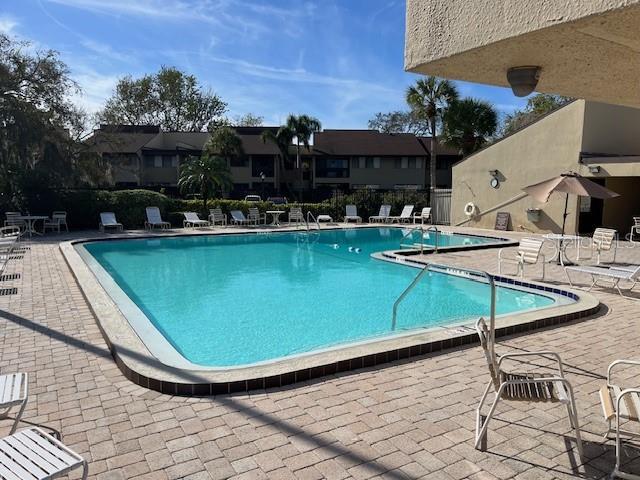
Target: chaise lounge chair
[(383, 214), (216, 216), (33, 454), (528, 253), (238, 218), (613, 275), (352, 214), (405, 215), (108, 219), (154, 219), (524, 387), (424, 215), (191, 219)]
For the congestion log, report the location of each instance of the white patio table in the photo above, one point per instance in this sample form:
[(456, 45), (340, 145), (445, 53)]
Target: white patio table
[(30, 223), (561, 243)]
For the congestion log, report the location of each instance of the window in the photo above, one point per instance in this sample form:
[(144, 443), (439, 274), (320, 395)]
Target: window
[(241, 161), (332, 167), (262, 164), (167, 161), (411, 162)]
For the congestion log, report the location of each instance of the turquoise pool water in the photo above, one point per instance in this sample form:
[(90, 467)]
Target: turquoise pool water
[(239, 299)]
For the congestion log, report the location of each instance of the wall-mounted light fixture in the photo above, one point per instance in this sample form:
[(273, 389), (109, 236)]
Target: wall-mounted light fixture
[(493, 173), (594, 168), (523, 80)]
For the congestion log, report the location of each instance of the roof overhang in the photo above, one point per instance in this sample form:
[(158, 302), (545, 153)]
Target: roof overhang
[(586, 49)]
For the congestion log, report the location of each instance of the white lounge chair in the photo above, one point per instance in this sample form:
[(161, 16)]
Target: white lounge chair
[(620, 404), (529, 252), (296, 216), (352, 214), (57, 220), (424, 215), (383, 214), (33, 454), (613, 275), (405, 215), (523, 387), (217, 217), (108, 219), (13, 220), (603, 240), (191, 219), (154, 219), (238, 218)]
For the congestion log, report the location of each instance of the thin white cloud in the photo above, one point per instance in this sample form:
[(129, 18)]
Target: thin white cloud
[(95, 87), (105, 50), (8, 24)]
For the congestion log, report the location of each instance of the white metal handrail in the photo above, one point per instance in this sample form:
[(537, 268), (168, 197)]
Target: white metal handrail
[(459, 271), (315, 220)]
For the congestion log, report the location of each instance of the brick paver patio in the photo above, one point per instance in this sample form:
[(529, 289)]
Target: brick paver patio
[(409, 419)]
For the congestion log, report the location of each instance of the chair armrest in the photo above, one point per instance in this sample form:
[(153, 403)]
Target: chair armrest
[(542, 353), (621, 395), (619, 362), (500, 253)]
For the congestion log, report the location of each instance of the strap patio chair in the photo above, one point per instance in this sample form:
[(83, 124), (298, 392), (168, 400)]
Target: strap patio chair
[(352, 214), (529, 252), (217, 217)]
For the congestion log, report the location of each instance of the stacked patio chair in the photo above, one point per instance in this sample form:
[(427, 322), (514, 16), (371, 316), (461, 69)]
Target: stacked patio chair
[(56, 222), (217, 217)]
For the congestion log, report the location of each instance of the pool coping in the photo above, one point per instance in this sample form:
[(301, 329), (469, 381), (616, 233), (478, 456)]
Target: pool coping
[(140, 366)]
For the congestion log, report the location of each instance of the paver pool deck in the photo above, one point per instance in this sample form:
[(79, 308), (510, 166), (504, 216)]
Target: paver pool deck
[(413, 418)]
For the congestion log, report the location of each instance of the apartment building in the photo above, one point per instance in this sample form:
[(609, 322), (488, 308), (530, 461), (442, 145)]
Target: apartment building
[(145, 156)]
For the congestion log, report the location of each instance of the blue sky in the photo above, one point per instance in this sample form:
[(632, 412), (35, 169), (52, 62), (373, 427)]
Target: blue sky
[(339, 60)]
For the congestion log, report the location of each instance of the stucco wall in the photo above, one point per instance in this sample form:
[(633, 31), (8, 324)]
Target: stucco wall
[(543, 150)]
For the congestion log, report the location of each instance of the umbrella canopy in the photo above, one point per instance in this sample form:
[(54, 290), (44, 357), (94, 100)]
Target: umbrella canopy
[(570, 183)]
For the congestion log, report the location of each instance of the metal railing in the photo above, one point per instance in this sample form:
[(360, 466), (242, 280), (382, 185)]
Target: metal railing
[(315, 220), (459, 271), (422, 231)]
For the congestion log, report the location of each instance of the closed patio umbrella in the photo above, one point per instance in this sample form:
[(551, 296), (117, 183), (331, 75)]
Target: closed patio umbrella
[(568, 183)]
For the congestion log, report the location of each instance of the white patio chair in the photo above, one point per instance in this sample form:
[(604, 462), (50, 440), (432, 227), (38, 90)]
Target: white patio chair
[(529, 252), (352, 214), (217, 217), (238, 218), (613, 275), (425, 214), (635, 229), (621, 404), (13, 392), (522, 387), (191, 219), (405, 215), (13, 220), (256, 217), (33, 454), (154, 219), (603, 240), (57, 220), (108, 219), (383, 214), (295, 216)]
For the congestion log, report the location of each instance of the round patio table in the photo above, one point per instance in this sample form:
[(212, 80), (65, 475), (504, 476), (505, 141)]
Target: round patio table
[(561, 242), (276, 217), (30, 223)]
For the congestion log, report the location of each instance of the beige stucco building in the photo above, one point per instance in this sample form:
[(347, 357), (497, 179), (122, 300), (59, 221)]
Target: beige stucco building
[(596, 140)]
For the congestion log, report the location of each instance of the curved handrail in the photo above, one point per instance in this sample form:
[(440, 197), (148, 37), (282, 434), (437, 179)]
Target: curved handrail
[(422, 230), (460, 271), (315, 220)]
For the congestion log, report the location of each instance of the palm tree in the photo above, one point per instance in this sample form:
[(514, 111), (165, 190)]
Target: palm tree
[(281, 138), (429, 98), (302, 126), (468, 124), (226, 143), (208, 174)]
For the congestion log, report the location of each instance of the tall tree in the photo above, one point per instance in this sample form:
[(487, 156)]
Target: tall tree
[(399, 122), (226, 143), (302, 126), (468, 124), (429, 98), (40, 128), (169, 98), (208, 175), (247, 120), (537, 106), (282, 139)]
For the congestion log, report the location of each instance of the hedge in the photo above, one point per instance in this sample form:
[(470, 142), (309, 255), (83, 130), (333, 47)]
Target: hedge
[(84, 206)]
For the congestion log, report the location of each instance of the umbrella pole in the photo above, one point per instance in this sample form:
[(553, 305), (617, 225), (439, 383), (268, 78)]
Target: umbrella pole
[(564, 221)]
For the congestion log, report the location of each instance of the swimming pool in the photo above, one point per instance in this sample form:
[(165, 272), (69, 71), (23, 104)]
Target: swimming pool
[(243, 299)]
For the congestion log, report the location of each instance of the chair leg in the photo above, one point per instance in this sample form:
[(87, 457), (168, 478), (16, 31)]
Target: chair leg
[(481, 427), (18, 416), (573, 418)]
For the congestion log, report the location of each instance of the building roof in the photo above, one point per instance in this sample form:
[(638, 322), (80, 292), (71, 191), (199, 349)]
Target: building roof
[(178, 141), (442, 148), (366, 143)]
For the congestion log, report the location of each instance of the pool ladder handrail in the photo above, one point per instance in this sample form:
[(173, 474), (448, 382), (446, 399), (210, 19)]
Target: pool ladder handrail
[(315, 220), (460, 271), (422, 231)]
